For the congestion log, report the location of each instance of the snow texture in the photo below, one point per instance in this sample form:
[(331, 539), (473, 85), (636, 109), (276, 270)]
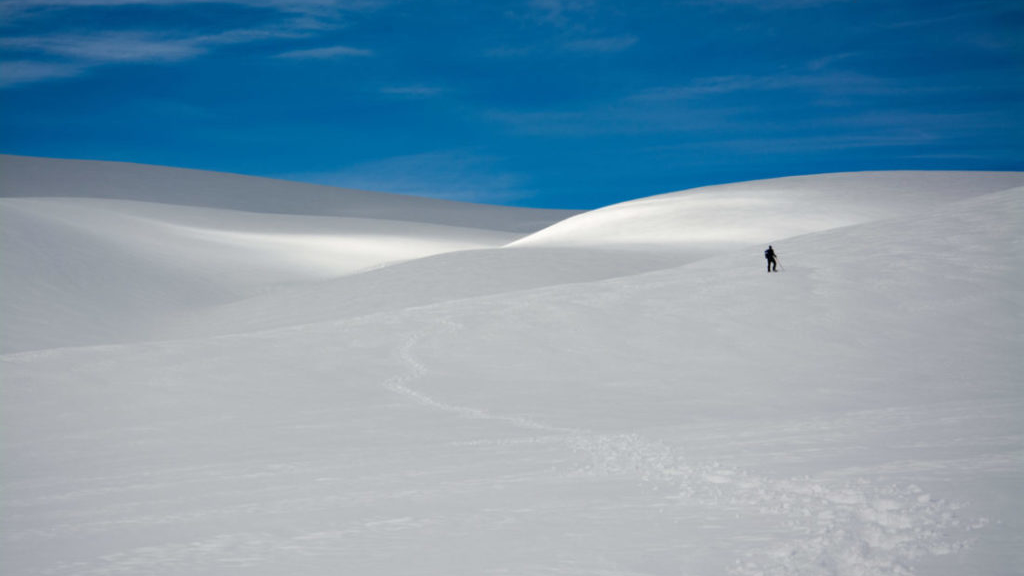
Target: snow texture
[(215, 374)]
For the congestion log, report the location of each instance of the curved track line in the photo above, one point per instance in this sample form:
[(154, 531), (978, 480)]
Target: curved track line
[(845, 529)]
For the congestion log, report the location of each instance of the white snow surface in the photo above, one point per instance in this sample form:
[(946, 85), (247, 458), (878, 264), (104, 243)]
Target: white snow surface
[(215, 374)]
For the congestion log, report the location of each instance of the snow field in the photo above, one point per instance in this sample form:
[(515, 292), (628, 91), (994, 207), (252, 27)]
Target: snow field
[(576, 403)]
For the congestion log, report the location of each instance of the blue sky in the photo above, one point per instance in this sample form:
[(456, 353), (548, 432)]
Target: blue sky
[(552, 103)]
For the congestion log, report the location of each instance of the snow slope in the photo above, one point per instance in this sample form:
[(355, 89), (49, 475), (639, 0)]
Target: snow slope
[(24, 176), (579, 402), (100, 252), (725, 217)]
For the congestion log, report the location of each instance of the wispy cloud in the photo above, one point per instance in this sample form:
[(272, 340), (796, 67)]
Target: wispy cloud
[(290, 29), (624, 118), (60, 56), (834, 83), (28, 71), (824, 62), (767, 5), (511, 51), (609, 44), (56, 56), (316, 8), (830, 142), (951, 124), (109, 47), (559, 12), (862, 130), (415, 91), (752, 103), (325, 53), (48, 53)]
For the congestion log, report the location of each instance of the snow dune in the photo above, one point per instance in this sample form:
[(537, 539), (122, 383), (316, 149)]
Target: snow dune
[(24, 176), (718, 218), (502, 391), (112, 252)]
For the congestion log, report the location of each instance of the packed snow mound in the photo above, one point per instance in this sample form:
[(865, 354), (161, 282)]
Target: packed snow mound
[(23, 176), (713, 219)]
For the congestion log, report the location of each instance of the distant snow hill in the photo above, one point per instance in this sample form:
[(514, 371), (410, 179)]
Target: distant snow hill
[(97, 252), (101, 252), (717, 218)]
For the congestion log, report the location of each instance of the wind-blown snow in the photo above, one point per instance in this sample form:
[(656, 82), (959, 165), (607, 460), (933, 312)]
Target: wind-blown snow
[(624, 392)]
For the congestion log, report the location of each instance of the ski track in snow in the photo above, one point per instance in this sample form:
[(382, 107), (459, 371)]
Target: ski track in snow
[(842, 529)]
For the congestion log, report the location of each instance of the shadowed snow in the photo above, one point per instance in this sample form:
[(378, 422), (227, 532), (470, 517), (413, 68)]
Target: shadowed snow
[(366, 384)]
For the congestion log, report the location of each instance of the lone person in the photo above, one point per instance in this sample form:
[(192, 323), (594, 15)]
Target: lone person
[(769, 255)]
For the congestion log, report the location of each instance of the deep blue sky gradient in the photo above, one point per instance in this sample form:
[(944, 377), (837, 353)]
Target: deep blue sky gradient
[(552, 103)]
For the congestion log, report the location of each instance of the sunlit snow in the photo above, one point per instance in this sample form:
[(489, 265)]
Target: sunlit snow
[(216, 374)]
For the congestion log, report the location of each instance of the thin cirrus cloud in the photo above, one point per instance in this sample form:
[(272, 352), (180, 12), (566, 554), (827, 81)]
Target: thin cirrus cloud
[(591, 45), (57, 56), (415, 91), (325, 53), (28, 71), (623, 118), (23, 8), (49, 54), (768, 5), (848, 83), (109, 47), (701, 106), (601, 45)]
